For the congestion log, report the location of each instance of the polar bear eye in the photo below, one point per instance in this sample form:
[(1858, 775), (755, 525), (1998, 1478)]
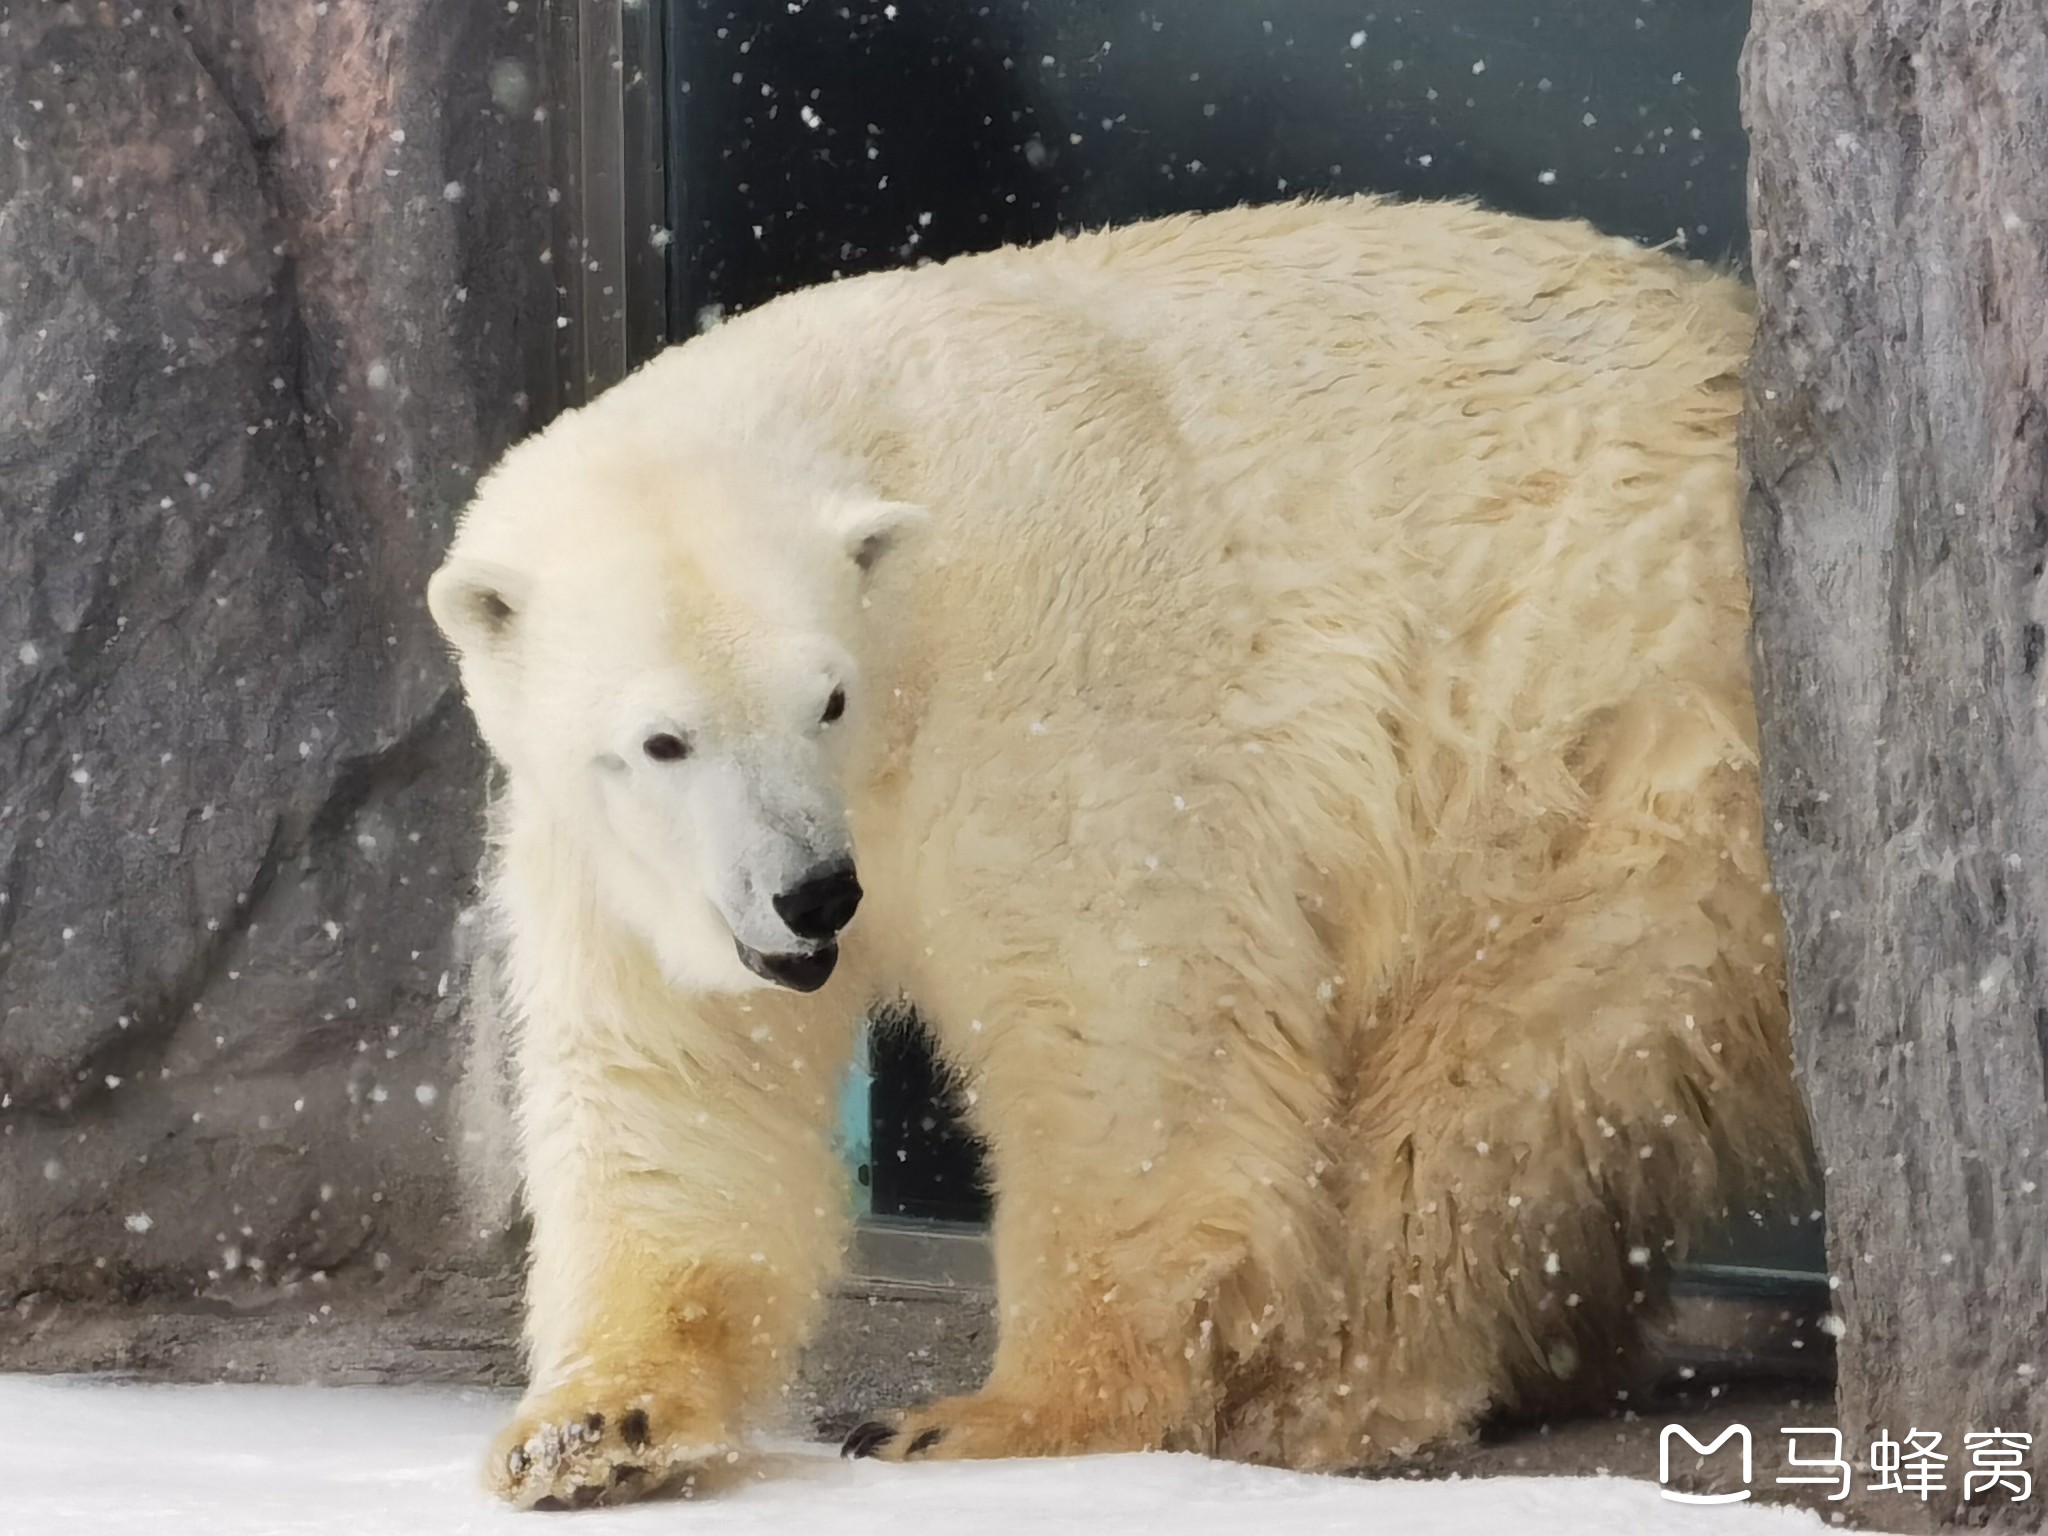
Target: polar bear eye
[(835, 706), (664, 747)]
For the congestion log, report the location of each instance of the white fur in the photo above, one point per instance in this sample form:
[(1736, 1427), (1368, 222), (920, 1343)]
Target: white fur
[(1299, 756)]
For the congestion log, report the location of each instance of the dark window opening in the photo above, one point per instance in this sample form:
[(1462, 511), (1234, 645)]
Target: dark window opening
[(808, 142)]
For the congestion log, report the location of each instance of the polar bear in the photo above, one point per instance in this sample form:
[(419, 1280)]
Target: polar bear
[(1269, 687)]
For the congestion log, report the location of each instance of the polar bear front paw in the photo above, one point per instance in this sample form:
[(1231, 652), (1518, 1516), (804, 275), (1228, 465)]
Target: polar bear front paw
[(582, 1445)]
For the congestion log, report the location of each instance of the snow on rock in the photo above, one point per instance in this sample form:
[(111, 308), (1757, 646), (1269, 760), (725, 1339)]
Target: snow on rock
[(93, 1457)]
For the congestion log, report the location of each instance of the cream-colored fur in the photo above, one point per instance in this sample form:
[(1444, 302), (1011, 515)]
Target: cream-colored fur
[(1298, 752)]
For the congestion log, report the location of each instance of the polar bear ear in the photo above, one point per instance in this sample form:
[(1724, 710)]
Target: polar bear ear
[(871, 529), (475, 604)]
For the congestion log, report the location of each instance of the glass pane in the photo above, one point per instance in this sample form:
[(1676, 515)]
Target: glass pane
[(814, 141)]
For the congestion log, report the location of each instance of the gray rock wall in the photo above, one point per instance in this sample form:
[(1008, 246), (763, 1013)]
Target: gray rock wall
[(272, 293), (1897, 523)]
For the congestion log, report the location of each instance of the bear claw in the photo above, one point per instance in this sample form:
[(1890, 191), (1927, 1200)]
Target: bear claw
[(925, 1441), (867, 1439)]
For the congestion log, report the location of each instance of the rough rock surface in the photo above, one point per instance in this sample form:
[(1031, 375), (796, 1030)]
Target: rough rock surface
[(1897, 441), (270, 297)]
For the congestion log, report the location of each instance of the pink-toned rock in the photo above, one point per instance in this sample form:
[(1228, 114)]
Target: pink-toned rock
[(251, 359)]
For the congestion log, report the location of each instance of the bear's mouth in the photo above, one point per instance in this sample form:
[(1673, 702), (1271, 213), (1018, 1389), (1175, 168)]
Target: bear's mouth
[(799, 972)]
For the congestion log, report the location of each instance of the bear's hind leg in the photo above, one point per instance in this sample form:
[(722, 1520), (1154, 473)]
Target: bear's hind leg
[(1534, 1136)]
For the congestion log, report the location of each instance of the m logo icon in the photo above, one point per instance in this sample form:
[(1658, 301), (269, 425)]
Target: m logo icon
[(1736, 1432)]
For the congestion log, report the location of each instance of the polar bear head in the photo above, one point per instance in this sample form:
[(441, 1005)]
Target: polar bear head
[(661, 646)]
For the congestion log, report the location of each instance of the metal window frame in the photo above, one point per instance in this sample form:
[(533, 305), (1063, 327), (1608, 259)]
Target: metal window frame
[(602, 66)]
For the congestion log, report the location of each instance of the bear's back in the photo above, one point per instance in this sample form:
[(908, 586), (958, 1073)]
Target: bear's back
[(1422, 461)]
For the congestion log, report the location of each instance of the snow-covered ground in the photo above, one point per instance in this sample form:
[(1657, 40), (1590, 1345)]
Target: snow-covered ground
[(99, 1458)]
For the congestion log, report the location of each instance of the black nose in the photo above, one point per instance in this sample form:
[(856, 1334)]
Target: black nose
[(821, 903)]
